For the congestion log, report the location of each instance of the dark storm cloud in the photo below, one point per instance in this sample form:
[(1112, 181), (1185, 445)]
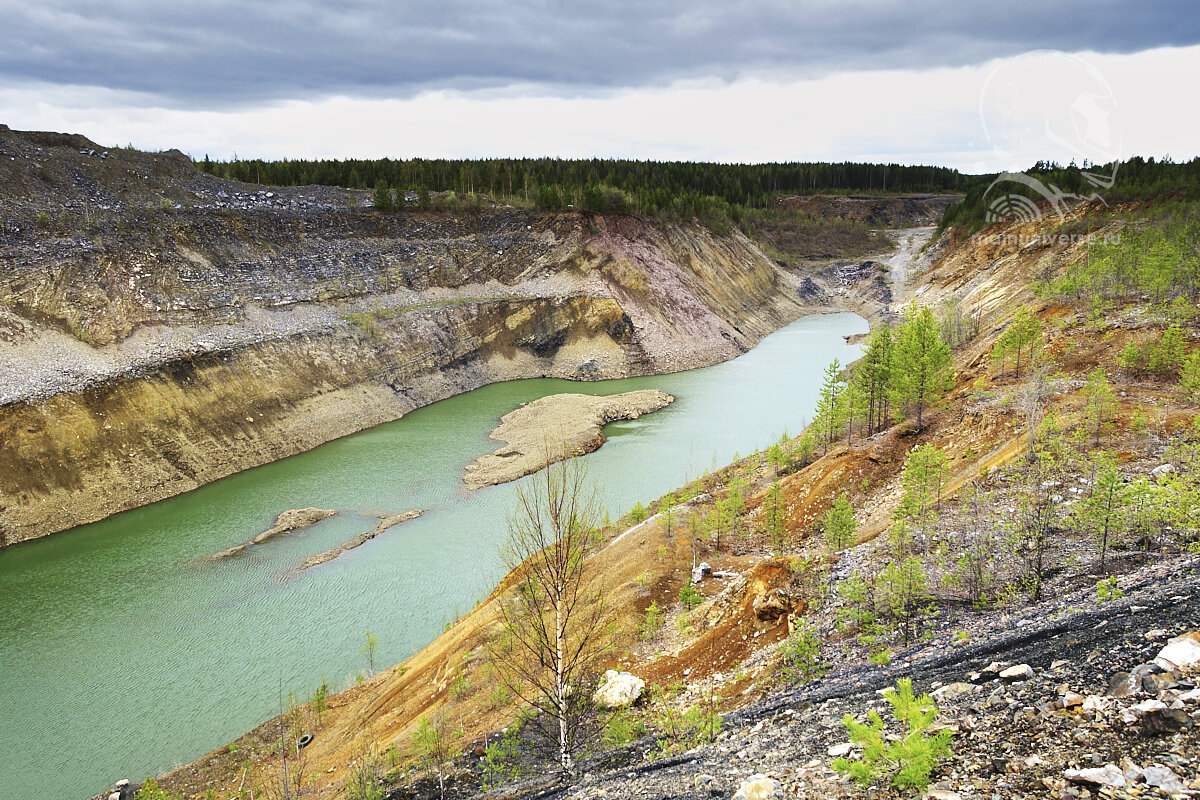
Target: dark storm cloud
[(219, 53)]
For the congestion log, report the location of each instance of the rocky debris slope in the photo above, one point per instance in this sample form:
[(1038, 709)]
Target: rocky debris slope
[(1066, 699), (881, 211), (161, 328), (553, 428)]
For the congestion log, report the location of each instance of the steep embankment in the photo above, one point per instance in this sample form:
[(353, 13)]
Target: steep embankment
[(1012, 739), (160, 329)]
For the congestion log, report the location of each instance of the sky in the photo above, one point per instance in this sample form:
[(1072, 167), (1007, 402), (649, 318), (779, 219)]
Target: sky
[(973, 85)]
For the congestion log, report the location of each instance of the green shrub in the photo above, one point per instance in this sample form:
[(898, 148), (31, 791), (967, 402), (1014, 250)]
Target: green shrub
[(622, 728), (637, 513), (502, 761), (653, 621), (364, 782), (152, 791), (908, 761), (1107, 589), (319, 701), (801, 654), (690, 596), (684, 729)]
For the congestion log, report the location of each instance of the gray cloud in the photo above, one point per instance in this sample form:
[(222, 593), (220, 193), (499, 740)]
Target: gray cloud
[(227, 53)]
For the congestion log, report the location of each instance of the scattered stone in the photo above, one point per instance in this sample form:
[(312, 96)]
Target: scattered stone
[(840, 750), (1159, 721), (618, 689), (759, 787), (1108, 775), (1122, 684), (1163, 778), (942, 794), (952, 690), (1181, 654), (1019, 672)]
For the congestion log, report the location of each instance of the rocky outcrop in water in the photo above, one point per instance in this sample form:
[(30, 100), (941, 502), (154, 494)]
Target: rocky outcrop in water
[(288, 521)]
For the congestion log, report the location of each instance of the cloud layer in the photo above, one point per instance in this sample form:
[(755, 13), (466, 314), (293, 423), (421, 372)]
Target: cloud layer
[(216, 54)]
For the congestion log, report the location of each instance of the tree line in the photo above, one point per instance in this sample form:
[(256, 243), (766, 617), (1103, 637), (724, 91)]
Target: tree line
[(598, 184), (1135, 179)]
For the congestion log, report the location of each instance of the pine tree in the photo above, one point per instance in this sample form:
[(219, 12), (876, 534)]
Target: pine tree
[(922, 477), (382, 198), (904, 594), (873, 377), (921, 364), (1102, 513), (1189, 378), (1100, 402), (1167, 355), (773, 518), (829, 408), (839, 524), (853, 406)]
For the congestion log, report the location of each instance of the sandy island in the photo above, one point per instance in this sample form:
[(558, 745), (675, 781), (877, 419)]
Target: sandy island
[(556, 427)]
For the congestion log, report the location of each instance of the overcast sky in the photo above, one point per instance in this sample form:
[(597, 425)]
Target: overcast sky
[(918, 81)]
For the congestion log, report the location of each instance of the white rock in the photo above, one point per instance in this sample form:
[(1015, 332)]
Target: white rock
[(952, 690), (618, 689), (1094, 703), (759, 787), (839, 750), (1164, 778), (1147, 705), (1180, 654), (1019, 672), (1108, 775), (942, 794)]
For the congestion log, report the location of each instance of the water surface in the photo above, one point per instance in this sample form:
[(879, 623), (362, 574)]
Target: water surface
[(122, 652)]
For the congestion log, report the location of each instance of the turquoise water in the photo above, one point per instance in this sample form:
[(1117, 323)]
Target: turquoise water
[(123, 652)]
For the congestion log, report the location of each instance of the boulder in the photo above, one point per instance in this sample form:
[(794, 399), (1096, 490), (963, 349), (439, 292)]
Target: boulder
[(759, 787), (701, 571), (618, 689), (1182, 654)]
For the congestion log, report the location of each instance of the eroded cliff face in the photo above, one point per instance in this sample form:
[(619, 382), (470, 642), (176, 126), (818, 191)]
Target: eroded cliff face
[(144, 352)]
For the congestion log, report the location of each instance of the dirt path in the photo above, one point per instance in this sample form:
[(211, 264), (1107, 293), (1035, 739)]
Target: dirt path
[(907, 260)]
